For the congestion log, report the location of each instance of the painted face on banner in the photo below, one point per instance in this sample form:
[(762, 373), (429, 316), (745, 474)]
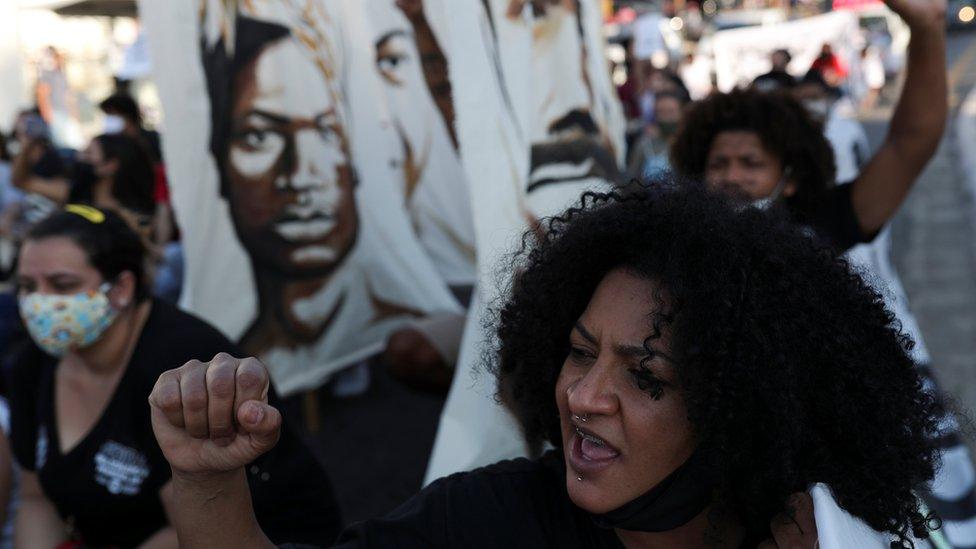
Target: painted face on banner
[(290, 183), (400, 68), (567, 143)]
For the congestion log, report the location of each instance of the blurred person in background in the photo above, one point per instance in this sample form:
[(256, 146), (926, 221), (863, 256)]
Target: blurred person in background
[(658, 81), (11, 202), (767, 148), (36, 163), (124, 181), (842, 129), (123, 116), (833, 68), (114, 172), (777, 78), (871, 77), (55, 100), (649, 155), (628, 91), (695, 71), (92, 471)]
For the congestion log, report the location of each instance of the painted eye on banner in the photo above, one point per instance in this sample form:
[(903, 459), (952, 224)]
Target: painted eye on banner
[(256, 151), (328, 129), (392, 59)]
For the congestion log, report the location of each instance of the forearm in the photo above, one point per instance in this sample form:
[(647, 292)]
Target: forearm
[(44, 101), (215, 512), (38, 525), (56, 189), (8, 217), (165, 538), (916, 126), (920, 117), (20, 171)]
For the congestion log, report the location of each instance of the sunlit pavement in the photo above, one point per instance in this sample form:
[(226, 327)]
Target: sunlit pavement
[(934, 235)]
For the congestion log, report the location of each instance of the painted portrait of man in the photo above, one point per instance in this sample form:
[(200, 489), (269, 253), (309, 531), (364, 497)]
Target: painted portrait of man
[(572, 149), (413, 72), (279, 137)]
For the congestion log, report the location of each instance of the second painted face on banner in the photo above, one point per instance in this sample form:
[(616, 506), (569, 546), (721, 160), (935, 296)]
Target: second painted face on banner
[(412, 70)]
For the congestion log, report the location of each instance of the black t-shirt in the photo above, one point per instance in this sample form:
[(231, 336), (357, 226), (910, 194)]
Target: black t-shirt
[(51, 164), (107, 487), (151, 138), (517, 503), (835, 221), (774, 80), (82, 183), (511, 504)]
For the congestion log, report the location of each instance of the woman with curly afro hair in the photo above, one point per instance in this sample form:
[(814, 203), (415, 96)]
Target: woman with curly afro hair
[(765, 147), (696, 366)]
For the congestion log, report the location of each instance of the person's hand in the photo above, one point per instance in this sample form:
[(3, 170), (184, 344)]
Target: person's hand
[(921, 14), (416, 362), (213, 417), (794, 528)]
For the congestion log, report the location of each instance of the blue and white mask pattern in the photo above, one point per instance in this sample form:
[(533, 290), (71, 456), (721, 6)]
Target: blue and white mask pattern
[(58, 323)]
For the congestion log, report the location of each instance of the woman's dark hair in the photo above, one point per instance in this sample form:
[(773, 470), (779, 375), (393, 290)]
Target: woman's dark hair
[(784, 127), (110, 245), (124, 105), (682, 100), (792, 370), (133, 182)]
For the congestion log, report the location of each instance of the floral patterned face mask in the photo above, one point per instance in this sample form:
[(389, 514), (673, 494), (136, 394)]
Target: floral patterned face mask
[(58, 323)]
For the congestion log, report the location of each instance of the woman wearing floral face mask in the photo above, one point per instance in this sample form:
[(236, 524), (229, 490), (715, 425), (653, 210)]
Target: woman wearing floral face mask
[(93, 473)]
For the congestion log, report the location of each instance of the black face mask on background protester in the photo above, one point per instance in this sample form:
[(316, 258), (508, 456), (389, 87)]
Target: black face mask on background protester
[(666, 130)]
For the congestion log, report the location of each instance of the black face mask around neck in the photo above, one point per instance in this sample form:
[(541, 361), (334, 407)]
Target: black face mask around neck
[(677, 499)]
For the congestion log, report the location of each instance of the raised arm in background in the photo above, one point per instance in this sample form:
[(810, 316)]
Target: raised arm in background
[(918, 122)]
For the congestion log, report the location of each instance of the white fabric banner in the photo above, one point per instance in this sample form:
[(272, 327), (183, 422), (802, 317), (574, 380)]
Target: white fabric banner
[(474, 429), (279, 149), (407, 57), (743, 54), (537, 125)]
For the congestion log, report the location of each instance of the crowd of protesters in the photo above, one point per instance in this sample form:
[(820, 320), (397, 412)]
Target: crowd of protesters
[(647, 333)]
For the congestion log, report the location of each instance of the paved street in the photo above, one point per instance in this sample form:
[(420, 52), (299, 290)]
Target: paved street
[(933, 243)]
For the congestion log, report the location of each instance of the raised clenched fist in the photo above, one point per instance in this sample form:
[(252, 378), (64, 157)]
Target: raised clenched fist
[(213, 417)]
